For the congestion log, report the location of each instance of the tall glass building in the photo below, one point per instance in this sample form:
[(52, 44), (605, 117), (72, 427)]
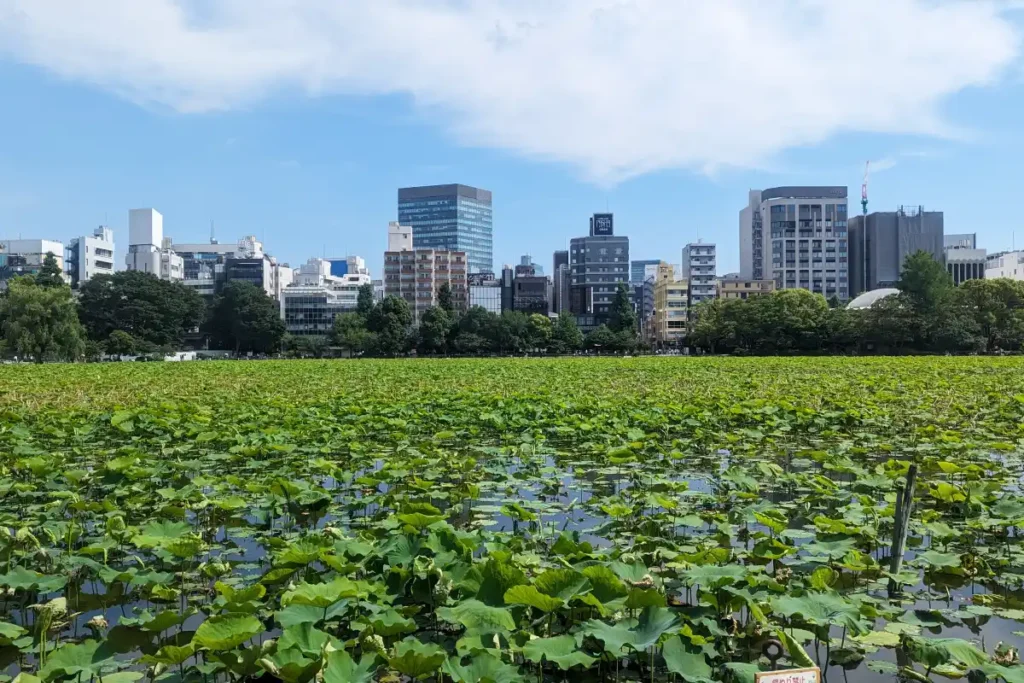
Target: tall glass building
[(450, 217)]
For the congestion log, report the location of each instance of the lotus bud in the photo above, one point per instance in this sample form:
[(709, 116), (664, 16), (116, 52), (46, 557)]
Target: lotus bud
[(373, 643), (115, 524), (268, 666), (97, 625)]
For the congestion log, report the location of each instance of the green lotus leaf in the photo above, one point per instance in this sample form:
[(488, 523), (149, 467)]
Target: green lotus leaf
[(477, 616), (562, 583), (227, 631), (482, 668), (561, 651), (321, 594), (341, 668), (21, 578), (415, 659), (682, 660), (529, 595), (72, 659)]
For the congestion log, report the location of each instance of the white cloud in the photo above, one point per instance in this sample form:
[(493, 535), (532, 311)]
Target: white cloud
[(615, 88)]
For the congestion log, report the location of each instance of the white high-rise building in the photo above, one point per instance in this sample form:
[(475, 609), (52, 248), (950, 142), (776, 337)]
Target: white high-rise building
[(699, 267), (311, 302), (26, 257), (148, 251), (1008, 264), (399, 237), (797, 236), (89, 256)]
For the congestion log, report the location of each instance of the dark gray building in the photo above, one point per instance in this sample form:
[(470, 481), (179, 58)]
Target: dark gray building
[(561, 259), (597, 264), (637, 268), (453, 218), (880, 244)]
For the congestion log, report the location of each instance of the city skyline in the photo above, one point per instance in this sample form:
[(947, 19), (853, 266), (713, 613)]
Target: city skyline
[(311, 167)]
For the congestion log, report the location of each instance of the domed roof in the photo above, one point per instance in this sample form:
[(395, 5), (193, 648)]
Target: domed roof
[(869, 299)]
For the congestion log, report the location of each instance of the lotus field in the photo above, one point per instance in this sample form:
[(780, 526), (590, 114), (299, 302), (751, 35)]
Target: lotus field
[(649, 519)]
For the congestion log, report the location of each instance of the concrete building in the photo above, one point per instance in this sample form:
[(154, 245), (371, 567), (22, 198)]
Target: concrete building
[(90, 255), (597, 264), (418, 275), (1008, 264), (638, 270), (699, 268), (880, 244), (311, 302), (455, 218), (148, 250), (349, 265), (671, 307), (963, 240), (560, 288), (531, 294), (206, 267), (25, 257), (485, 291), (965, 264), (797, 236), (399, 237), (732, 286), (561, 258)]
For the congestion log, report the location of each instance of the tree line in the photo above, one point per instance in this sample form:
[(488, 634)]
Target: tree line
[(928, 315), (131, 313), (385, 329)]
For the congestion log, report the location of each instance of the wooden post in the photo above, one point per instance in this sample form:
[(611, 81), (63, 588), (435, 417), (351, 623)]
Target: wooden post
[(901, 525)]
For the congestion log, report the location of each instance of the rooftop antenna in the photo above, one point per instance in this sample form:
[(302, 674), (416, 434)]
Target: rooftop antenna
[(864, 189)]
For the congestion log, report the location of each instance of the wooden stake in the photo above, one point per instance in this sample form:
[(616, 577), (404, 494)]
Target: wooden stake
[(901, 525)]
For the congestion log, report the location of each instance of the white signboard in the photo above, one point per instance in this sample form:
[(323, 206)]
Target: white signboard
[(811, 675)]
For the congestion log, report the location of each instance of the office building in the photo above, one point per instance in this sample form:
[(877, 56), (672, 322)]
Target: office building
[(671, 307), (25, 257), (732, 286), (561, 258), (560, 287), (399, 237), (485, 291), (316, 296), (965, 263), (350, 265), (699, 269), (964, 240), (148, 250), (880, 242), (90, 255), (531, 294), (206, 267), (526, 261), (1006, 264), (638, 270), (797, 236), (455, 218), (418, 275), (597, 264)]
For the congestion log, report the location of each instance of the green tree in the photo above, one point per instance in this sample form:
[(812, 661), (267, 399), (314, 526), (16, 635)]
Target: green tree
[(621, 317), (40, 322), (565, 335), (390, 321), (50, 273), (998, 309), (157, 313), (540, 331), (349, 332), (245, 319), (432, 333), (365, 302), (120, 343), (602, 339), (444, 298), (925, 283), (511, 332), (714, 329)]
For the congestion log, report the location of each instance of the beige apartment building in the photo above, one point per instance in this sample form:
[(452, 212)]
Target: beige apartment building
[(416, 275), (671, 306), (741, 288)]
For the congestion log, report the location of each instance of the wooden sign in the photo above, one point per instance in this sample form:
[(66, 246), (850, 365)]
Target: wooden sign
[(809, 675)]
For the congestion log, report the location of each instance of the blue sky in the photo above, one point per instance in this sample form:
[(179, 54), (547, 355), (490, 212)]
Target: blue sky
[(297, 122)]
